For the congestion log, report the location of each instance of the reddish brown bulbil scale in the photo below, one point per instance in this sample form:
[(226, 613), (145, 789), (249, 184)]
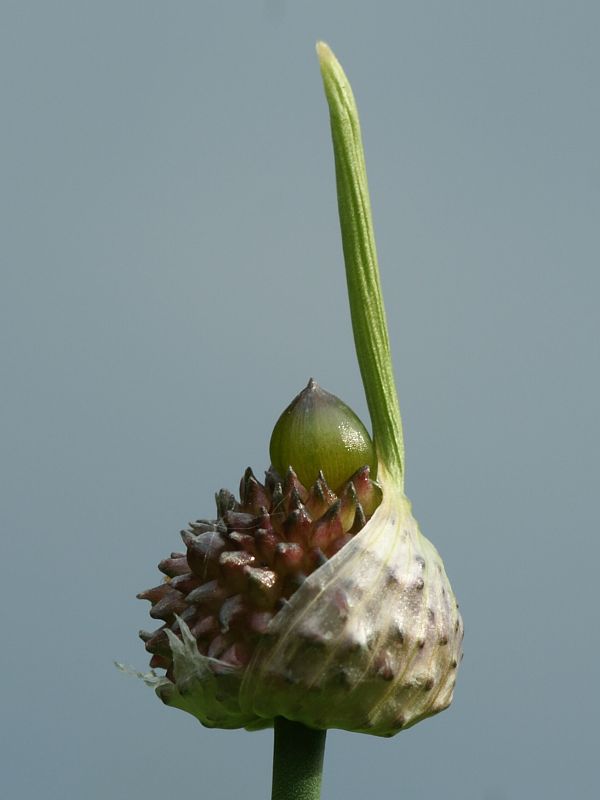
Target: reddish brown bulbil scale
[(241, 568)]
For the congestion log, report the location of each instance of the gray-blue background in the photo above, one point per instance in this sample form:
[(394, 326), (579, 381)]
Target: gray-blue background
[(172, 275)]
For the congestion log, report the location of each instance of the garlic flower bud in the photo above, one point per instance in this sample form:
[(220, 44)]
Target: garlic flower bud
[(327, 608), (315, 597)]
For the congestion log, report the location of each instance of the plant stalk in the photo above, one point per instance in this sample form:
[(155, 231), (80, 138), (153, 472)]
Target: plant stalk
[(297, 761)]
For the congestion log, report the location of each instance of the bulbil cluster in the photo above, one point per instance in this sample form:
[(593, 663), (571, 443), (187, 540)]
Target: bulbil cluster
[(323, 605), (240, 569)]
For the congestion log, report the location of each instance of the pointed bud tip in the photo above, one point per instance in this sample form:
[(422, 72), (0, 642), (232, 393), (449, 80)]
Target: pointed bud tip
[(324, 52), (319, 435)]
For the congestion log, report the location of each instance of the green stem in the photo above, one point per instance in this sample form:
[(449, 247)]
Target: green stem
[(362, 273), (297, 761)]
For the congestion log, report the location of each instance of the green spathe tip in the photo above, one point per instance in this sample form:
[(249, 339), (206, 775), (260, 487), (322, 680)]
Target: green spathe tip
[(362, 273)]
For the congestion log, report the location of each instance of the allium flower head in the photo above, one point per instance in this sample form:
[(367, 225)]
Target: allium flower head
[(324, 606), (312, 596)]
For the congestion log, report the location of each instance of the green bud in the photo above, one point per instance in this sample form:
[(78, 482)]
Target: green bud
[(317, 433)]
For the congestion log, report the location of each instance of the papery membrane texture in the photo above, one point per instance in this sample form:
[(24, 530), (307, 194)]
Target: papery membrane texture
[(370, 642)]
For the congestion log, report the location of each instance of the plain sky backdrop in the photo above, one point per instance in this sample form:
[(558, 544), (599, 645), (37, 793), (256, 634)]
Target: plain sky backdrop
[(171, 276)]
